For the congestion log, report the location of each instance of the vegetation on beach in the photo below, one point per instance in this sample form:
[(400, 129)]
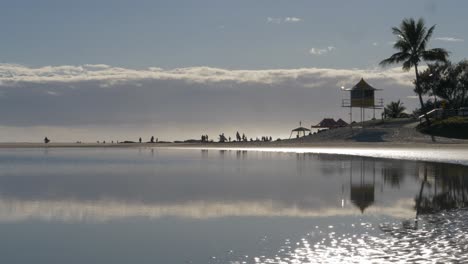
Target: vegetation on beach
[(412, 41), (452, 127), (447, 84), (395, 110)]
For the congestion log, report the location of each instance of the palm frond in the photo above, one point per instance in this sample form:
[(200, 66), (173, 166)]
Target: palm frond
[(426, 38), (407, 65), (395, 58), (420, 33), (402, 45), (437, 55), (397, 32)]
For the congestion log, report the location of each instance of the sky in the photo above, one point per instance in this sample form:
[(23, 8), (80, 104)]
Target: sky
[(114, 70)]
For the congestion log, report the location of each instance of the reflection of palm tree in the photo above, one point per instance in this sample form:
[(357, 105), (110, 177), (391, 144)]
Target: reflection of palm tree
[(450, 194), (411, 44), (393, 176)]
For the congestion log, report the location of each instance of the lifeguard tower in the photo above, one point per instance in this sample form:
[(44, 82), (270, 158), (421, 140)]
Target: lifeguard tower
[(362, 96)]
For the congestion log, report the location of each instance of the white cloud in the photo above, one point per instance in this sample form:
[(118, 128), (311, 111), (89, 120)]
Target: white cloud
[(375, 44), (109, 76), (450, 39), (279, 20), (320, 51), (292, 19), (274, 20)]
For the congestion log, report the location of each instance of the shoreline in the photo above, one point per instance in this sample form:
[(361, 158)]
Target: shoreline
[(287, 144), (449, 153)]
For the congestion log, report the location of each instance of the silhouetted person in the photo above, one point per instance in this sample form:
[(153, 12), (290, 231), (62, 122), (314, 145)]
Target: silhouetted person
[(46, 140), (229, 139), (139, 140), (152, 139)]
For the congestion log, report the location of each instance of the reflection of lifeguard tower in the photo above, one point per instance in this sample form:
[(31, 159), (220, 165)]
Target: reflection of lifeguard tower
[(362, 96), (362, 190)]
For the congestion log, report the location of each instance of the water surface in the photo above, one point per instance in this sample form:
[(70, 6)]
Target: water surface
[(215, 206)]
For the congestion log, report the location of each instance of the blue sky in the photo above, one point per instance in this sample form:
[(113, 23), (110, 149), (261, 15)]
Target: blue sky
[(217, 33), (104, 70)]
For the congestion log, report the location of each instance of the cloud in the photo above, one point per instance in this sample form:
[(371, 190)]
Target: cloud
[(450, 39), (292, 19), (279, 20), (274, 20), (108, 76), (319, 51), (97, 102), (375, 44)]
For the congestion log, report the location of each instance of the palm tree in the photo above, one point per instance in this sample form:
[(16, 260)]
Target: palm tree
[(394, 109), (411, 44)]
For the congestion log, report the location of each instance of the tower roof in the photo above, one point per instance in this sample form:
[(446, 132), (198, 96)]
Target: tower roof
[(361, 85)]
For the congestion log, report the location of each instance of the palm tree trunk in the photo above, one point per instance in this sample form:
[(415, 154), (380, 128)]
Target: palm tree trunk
[(419, 92)]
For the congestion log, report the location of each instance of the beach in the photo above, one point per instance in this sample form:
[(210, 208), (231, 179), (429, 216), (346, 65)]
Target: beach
[(390, 134)]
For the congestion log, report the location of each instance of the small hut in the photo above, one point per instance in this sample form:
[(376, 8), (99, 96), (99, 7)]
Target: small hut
[(326, 123), (341, 123), (299, 130)]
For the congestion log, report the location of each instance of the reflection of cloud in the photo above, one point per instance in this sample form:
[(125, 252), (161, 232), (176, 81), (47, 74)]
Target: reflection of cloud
[(18, 210), (52, 93)]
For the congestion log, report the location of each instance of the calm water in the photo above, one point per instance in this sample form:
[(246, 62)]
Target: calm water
[(213, 206)]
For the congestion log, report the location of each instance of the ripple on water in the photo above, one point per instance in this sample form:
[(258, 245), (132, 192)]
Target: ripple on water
[(437, 238)]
